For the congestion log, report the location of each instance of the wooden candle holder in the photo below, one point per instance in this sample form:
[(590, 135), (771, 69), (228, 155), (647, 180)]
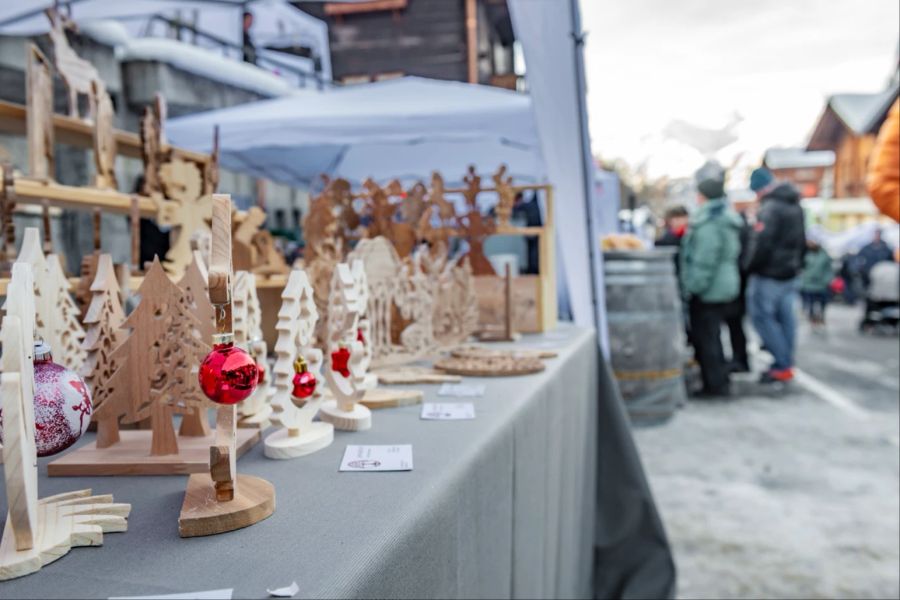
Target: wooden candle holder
[(37, 531), (221, 500), (299, 434)]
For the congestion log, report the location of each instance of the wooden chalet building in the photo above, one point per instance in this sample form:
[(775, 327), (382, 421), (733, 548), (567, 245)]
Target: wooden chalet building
[(848, 127), (461, 40), (811, 172)]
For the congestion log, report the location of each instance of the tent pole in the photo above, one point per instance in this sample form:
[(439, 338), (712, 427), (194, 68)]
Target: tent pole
[(580, 90)]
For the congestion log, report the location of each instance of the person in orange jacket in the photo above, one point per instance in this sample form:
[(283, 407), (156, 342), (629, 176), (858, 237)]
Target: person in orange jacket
[(884, 170)]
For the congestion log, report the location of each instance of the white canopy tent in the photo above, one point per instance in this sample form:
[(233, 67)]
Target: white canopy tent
[(403, 128), (275, 24)]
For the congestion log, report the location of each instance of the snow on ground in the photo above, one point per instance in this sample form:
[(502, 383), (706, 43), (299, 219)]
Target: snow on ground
[(787, 495)]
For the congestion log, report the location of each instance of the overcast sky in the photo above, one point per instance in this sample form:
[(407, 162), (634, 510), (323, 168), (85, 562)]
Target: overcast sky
[(657, 66)]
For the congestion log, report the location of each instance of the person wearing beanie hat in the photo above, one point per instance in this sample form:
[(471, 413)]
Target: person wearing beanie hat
[(760, 179), (773, 260), (709, 275)]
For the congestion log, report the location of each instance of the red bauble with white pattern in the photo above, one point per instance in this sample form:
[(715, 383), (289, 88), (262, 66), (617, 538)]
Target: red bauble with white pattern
[(62, 407)]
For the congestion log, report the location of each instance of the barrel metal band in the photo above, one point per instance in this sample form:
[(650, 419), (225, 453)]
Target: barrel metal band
[(644, 375)]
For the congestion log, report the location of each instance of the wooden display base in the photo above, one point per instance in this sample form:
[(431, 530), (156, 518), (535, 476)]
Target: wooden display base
[(497, 335), (282, 445), (408, 375), (63, 522), (388, 398), (358, 419), (202, 514), (131, 456)]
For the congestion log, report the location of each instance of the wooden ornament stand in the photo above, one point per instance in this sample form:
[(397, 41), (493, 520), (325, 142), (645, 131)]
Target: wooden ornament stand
[(346, 305), (37, 531), (299, 434), (220, 500)]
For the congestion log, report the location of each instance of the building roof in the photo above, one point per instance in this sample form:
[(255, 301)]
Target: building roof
[(858, 113), (797, 158)]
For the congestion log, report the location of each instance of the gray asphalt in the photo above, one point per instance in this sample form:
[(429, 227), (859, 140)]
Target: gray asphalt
[(793, 492)]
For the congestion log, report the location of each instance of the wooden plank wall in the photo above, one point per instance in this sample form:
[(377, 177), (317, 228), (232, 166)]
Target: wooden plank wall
[(427, 39)]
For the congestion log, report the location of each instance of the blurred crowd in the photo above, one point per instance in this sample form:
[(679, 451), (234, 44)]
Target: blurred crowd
[(761, 264)]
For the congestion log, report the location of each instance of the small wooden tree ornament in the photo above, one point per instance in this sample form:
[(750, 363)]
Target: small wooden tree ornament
[(57, 316), (256, 410), (299, 434), (37, 531), (348, 388), (221, 500)]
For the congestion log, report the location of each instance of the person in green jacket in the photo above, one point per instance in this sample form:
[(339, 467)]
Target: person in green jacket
[(815, 281), (710, 277)]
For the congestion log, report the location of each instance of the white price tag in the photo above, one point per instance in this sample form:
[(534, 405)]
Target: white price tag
[(448, 411), (462, 390), (378, 458), (223, 594)]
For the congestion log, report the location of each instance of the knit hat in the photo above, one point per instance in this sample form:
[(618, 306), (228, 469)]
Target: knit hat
[(710, 180), (761, 178)]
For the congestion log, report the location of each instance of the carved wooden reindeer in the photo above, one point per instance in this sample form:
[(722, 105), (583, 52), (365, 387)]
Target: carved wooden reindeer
[(76, 73)]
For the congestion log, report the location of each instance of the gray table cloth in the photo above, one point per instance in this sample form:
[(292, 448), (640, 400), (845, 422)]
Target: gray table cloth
[(501, 506)]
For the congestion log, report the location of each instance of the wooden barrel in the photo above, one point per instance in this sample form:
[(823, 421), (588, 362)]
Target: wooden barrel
[(646, 332)]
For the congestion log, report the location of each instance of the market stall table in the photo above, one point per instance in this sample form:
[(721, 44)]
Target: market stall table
[(499, 506)]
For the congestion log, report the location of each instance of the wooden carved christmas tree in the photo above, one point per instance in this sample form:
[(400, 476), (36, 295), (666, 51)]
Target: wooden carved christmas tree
[(247, 315), (196, 294), (296, 326), (69, 332), (104, 320), (157, 364), (56, 314)]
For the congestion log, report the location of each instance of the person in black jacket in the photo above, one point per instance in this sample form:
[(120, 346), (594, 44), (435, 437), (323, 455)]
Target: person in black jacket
[(773, 260)]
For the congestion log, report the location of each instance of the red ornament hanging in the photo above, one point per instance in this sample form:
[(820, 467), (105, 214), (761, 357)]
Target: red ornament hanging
[(262, 373), (304, 381), (340, 361), (228, 374), (62, 404), (360, 337)]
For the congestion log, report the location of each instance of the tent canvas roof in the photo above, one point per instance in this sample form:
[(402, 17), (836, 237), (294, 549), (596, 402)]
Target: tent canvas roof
[(402, 128)]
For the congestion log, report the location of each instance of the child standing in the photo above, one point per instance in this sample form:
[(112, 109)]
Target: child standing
[(814, 282)]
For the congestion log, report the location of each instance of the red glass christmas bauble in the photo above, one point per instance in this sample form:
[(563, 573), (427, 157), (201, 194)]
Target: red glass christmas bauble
[(262, 373), (304, 384), (360, 337), (340, 360), (228, 374)]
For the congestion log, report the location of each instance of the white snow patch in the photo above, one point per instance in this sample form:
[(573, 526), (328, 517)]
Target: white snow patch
[(106, 31), (206, 63)]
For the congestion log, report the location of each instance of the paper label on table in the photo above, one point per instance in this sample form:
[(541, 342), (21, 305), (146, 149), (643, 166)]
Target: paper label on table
[(285, 592), (462, 390), (223, 594), (448, 411), (378, 458)]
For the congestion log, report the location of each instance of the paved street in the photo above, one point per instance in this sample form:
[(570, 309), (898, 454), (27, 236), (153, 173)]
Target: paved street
[(791, 494)]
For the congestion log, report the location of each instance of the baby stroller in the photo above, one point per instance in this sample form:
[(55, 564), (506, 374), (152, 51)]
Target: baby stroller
[(882, 312)]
